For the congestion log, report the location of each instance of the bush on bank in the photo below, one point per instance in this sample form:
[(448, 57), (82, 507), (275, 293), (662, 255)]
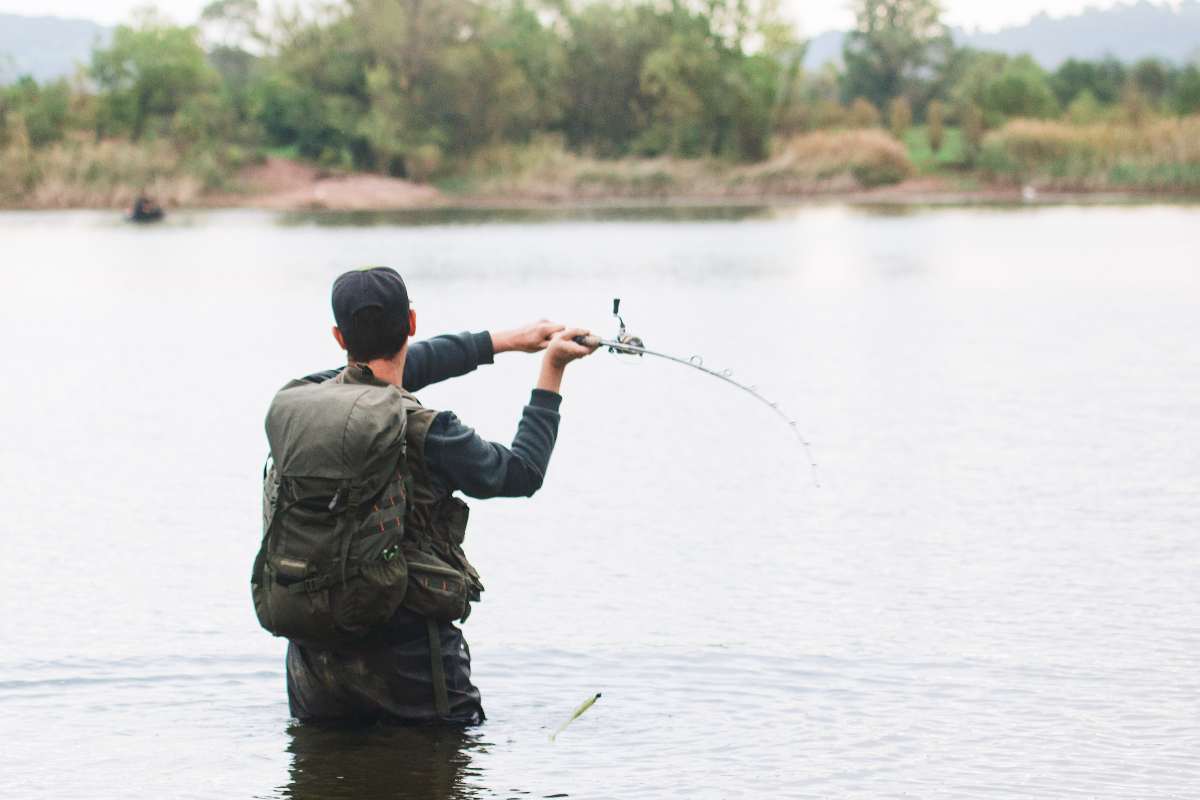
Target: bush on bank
[(1160, 154), (79, 172), (816, 162)]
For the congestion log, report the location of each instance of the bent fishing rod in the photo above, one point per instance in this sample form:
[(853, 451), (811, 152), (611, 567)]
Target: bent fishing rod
[(626, 343)]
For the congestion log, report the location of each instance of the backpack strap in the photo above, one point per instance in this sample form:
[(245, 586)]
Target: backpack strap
[(441, 699)]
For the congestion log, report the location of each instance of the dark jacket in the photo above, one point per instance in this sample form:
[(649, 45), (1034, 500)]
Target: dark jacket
[(388, 676)]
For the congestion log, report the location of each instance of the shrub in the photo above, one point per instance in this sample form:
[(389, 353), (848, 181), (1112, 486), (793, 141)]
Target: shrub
[(863, 114), (899, 116), (1162, 154), (935, 123), (869, 157), (973, 130)]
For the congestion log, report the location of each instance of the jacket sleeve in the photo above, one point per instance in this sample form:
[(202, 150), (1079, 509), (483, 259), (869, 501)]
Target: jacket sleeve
[(434, 360), (443, 357), (464, 461)]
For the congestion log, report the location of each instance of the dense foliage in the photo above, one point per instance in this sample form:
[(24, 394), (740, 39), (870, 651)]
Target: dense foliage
[(419, 88)]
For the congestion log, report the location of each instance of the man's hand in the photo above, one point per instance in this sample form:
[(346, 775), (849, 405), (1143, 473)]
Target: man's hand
[(561, 350), (529, 339)]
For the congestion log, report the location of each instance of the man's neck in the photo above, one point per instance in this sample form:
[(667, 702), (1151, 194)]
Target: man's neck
[(389, 370)]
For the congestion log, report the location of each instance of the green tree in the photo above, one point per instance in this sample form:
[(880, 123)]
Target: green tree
[(232, 24), (897, 47), (681, 80), (935, 118), (978, 68), (1103, 79), (1085, 108), (607, 47), (1021, 89), (1185, 96), (147, 74), (45, 108), (1152, 78)]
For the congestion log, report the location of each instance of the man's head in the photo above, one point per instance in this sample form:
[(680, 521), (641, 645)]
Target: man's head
[(371, 308)]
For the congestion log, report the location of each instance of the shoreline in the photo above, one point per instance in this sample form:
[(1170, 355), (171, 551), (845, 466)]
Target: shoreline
[(288, 186), (895, 196)]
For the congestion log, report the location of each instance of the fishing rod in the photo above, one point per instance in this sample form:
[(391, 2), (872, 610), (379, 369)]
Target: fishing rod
[(626, 343)]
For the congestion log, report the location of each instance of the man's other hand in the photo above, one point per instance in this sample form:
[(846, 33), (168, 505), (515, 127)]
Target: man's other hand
[(564, 349), (529, 339)]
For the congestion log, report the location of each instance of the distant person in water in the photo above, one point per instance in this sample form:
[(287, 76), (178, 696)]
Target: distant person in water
[(145, 210), (362, 565)]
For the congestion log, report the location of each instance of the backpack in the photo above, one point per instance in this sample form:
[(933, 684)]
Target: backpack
[(332, 565)]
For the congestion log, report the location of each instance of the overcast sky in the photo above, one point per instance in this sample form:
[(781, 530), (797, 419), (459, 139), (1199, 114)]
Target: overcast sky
[(813, 16)]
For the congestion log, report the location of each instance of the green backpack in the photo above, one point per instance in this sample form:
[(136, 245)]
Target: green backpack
[(338, 554), (330, 566)]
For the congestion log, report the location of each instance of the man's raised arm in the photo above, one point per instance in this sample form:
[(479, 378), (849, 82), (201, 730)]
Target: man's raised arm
[(452, 355)]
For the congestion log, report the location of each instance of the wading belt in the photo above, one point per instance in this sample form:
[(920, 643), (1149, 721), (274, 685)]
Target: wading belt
[(437, 670)]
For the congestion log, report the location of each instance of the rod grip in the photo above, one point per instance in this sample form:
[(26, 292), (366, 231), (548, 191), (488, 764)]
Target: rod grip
[(587, 341)]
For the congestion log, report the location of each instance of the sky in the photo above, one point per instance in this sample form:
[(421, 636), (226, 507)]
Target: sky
[(813, 16)]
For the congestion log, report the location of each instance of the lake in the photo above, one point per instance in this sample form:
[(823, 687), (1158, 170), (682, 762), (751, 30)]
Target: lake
[(994, 592)]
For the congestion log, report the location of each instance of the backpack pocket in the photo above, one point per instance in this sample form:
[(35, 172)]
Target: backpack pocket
[(284, 611), (436, 590), (371, 597)]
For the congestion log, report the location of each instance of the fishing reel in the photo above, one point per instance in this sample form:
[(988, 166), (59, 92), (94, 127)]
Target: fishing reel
[(624, 342)]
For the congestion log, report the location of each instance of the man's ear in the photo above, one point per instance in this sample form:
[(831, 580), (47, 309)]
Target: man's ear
[(341, 340), (412, 322)]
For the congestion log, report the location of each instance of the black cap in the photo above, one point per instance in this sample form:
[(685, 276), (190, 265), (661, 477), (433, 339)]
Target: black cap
[(362, 288)]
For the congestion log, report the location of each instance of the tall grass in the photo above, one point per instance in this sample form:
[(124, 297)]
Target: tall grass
[(1159, 155), (850, 159), (83, 173), (815, 162)]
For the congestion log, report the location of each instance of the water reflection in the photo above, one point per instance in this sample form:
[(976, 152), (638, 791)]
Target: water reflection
[(422, 763), (475, 216)]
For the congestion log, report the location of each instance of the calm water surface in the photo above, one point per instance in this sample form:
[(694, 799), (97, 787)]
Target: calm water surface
[(993, 594)]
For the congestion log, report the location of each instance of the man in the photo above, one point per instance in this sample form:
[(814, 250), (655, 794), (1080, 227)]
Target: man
[(415, 666)]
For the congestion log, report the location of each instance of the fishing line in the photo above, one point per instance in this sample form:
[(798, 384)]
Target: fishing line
[(632, 345)]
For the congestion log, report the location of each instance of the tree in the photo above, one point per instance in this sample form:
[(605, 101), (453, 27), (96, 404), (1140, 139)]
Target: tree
[(1135, 107), (1152, 78), (863, 114), (44, 108), (232, 24), (934, 124), (148, 73), (1020, 89), (680, 80), (973, 130), (899, 116), (607, 48), (1085, 109), (897, 47), (1103, 79), (1185, 97)]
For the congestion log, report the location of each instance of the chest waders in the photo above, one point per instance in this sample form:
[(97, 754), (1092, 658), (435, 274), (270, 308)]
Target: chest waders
[(353, 529)]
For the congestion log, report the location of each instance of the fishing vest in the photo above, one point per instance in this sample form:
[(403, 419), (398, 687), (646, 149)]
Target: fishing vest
[(353, 528)]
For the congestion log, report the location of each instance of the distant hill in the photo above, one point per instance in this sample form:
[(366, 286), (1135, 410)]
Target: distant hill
[(1129, 32), (46, 47)]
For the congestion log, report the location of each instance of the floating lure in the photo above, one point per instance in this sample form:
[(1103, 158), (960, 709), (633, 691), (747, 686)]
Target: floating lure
[(578, 713)]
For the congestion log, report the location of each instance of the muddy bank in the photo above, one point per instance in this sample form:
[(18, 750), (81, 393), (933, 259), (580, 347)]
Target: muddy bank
[(280, 184), (285, 185)]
